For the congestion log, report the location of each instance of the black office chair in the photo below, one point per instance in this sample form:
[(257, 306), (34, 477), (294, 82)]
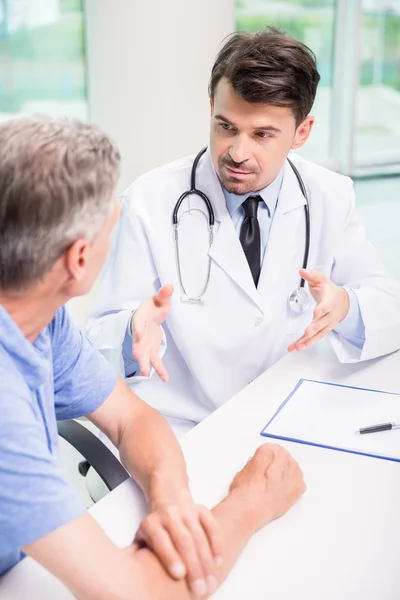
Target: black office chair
[(95, 453)]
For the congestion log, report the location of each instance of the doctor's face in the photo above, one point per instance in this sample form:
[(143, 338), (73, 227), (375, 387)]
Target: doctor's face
[(249, 142)]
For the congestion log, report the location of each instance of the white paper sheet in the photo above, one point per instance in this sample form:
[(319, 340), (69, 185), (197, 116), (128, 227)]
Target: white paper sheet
[(329, 415)]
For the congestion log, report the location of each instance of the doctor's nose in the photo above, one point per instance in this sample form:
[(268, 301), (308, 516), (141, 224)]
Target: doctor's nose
[(239, 151)]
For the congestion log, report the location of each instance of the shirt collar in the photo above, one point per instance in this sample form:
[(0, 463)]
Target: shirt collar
[(32, 360), (269, 194)]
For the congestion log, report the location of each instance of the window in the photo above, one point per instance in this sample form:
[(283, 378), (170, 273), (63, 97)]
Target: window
[(377, 118), (313, 23), (357, 44), (42, 64)]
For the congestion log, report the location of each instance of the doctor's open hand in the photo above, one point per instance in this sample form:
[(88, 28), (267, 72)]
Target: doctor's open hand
[(146, 329), (332, 307)]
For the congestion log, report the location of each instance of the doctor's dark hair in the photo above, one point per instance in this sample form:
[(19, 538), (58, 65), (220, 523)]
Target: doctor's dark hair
[(268, 67), (57, 184)]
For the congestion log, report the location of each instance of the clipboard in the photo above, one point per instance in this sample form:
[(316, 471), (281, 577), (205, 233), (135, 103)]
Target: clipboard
[(328, 415)]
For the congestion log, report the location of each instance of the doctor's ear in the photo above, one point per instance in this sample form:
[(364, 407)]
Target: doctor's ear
[(76, 259), (303, 132)]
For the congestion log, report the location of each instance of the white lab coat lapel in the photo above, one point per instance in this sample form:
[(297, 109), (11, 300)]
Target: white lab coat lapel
[(226, 250), (285, 249)]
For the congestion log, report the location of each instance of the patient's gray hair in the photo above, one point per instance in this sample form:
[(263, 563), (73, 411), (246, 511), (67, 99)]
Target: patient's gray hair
[(57, 184)]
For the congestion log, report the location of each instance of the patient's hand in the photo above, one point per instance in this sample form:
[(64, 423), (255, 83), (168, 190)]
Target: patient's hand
[(269, 484), (187, 540)]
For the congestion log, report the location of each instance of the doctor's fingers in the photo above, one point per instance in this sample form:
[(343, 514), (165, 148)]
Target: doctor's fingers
[(141, 353), (139, 323), (163, 297), (321, 310), (302, 345), (159, 366), (328, 300), (317, 324), (314, 328), (313, 277)]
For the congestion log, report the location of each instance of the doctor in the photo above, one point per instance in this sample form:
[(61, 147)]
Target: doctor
[(230, 318)]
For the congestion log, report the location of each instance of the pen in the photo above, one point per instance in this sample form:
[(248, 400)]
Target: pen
[(377, 428)]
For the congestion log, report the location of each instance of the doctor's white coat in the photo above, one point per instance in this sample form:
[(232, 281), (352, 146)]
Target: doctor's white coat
[(215, 348)]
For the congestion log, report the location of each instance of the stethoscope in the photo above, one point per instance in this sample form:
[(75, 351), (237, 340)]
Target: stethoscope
[(299, 300)]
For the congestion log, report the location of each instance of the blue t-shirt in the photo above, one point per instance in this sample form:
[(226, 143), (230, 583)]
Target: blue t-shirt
[(59, 376)]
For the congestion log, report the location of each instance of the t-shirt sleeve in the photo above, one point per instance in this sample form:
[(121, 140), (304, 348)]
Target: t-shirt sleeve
[(83, 379), (34, 497)]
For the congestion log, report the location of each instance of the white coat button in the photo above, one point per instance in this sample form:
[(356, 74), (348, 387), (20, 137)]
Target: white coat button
[(257, 323)]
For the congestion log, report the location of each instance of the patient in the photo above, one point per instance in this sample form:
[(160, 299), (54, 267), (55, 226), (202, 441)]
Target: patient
[(57, 210)]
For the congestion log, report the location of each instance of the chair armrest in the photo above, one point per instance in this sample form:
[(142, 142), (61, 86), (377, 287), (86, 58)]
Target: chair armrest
[(94, 451)]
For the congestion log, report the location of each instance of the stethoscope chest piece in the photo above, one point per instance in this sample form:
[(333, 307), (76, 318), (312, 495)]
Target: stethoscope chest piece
[(299, 300)]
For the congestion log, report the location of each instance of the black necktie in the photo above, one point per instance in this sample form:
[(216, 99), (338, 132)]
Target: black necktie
[(250, 237)]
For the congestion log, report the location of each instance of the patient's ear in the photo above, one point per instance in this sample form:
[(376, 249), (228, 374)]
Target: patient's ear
[(76, 259)]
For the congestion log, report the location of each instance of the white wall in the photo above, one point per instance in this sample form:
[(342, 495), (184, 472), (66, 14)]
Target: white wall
[(149, 62)]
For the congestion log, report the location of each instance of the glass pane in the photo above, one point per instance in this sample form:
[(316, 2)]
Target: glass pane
[(42, 66), (377, 139), (313, 23)]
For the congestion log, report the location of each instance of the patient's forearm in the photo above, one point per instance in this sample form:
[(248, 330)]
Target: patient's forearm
[(237, 527), (150, 462), (86, 561), (137, 430)]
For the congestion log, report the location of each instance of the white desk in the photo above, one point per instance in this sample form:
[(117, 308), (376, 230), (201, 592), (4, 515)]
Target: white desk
[(340, 542)]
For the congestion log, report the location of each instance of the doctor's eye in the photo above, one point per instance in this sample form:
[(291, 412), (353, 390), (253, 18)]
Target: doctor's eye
[(225, 126), (263, 134)]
